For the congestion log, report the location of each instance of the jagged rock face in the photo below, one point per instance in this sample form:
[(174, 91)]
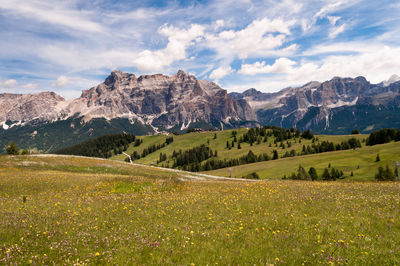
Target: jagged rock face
[(316, 103), (28, 107), (159, 100)]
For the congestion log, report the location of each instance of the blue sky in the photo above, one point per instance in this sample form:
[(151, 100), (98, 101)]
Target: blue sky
[(68, 46)]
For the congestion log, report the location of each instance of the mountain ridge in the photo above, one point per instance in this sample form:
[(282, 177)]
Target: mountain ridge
[(158, 100), (315, 104), (150, 104)]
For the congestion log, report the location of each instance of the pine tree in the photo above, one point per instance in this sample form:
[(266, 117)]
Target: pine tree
[(275, 155), (313, 173), (302, 174), (377, 158), (239, 146), (326, 175), (12, 149)]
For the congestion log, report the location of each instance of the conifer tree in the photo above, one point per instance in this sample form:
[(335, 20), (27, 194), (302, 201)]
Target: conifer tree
[(12, 149), (313, 173), (275, 155)]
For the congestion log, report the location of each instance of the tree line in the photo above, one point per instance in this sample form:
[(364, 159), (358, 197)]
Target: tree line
[(102, 147), (258, 135), (191, 159), (329, 174), (326, 146), (383, 136), (150, 149)]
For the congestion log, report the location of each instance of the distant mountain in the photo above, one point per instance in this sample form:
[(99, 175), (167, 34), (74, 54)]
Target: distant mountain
[(164, 102), (156, 103), (122, 103), (336, 106), (22, 108)]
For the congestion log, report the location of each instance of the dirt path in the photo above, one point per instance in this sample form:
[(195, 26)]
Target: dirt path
[(186, 174)]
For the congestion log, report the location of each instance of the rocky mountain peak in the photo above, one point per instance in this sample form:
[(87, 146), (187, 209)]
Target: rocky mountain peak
[(251, 92), (117, 77), (27, 107), (181, 73), (159, 100)]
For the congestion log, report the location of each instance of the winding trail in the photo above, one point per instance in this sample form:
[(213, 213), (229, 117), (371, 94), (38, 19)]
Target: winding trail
[(186, 174)]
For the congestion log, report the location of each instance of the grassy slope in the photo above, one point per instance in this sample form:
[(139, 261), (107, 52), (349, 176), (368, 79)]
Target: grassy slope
[(346, 161), (82, 165), (190, 140), (89, 211)]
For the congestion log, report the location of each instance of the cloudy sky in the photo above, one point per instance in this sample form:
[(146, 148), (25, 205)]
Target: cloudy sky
[(67, 46)]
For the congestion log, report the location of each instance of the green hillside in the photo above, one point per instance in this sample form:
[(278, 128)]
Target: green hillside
[(194, 139), (360, 161)]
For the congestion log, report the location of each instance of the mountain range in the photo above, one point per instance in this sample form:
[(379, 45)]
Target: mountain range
[(159, 103), (333, 107)]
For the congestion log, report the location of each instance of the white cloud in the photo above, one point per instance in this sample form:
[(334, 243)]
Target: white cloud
[(52, 12), (78, 58), (337, 30), (220, 72), (333, 19), (9, 84), (339, 47), (61, 82), (373, 61), (281, 65), (376, 63), (30, 85), (219, 24), (259, 37), (178, 41), (332, 6)]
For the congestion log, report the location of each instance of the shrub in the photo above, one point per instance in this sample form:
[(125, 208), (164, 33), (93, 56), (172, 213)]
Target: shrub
[(253, 175)]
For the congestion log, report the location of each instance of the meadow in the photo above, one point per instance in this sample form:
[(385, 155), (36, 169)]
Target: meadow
[(71, 210), (361, 161), (190, 140)]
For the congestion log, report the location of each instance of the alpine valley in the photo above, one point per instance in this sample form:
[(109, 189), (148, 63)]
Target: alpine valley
[(158, 103)]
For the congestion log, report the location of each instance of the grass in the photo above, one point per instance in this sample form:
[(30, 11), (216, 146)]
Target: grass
[(67, 164), (194, 139), (144, 215), (360, 161)]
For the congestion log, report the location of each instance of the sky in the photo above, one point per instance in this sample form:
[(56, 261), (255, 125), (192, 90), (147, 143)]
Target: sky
[(68, 46)]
